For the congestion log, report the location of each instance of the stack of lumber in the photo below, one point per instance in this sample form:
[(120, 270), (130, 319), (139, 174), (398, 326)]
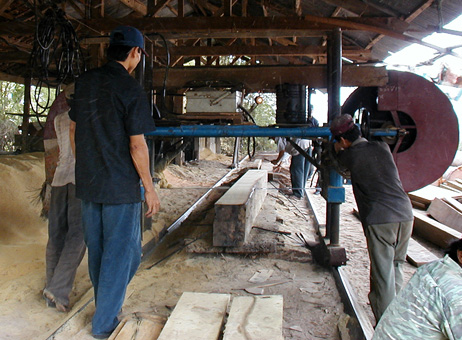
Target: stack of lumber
[(422, 198), (447, 211), (439, 219)]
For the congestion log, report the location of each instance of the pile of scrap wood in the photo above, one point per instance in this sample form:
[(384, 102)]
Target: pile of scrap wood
[(438, 213)]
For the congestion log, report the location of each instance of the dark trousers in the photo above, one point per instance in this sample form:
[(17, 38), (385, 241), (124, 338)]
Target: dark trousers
[(113, 238), (387, 245), (299, 169), (65, 247)]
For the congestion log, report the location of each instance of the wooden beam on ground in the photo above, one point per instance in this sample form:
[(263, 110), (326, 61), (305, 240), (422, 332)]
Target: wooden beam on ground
[(139, 326), (446, 214), (237, 209), (257, 78), (196, 316), (255, 317), (418, 255), (434, 231)]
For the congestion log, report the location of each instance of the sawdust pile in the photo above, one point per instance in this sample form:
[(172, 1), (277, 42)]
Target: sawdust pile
[(23, 237)]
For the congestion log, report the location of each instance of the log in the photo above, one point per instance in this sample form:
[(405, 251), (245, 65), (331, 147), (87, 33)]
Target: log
[(418, 255), (434, 231), (237, 209), (446, 214), (196, 316), (255, 317)]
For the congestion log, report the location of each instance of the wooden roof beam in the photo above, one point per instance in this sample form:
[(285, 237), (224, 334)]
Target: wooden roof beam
[(354, 6), (136, 6), (257, 78), (301, 51), (240, 27), (153, 10), (4, 4), (409, 19)]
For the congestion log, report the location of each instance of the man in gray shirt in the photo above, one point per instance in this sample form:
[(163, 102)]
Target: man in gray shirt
[(384, 208)]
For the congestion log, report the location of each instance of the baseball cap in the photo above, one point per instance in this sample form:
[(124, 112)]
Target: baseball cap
[(127, 36), (341, 124)]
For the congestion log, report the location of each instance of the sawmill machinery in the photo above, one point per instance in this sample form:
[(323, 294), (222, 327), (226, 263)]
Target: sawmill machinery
[(408, 112)]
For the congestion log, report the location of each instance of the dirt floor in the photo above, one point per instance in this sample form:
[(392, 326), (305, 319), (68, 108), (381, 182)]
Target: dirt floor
[(312, 307)]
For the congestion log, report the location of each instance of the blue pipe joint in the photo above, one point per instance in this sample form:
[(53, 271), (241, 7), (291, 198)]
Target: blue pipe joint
[(334, 192)]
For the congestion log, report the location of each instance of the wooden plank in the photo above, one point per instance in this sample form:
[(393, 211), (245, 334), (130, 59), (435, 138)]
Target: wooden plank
[(236, 210), (255, 317), (427, 194), (455, 185), (197, 316), (454, 203), (446, 214), (139, 326), (434, 231), (418, 255)]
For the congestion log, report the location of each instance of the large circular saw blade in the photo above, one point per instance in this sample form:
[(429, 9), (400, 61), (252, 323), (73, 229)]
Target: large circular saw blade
[(416, 105)]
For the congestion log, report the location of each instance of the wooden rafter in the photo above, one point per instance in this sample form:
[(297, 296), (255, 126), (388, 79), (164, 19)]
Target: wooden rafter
[(248, 50), (409, 19), (267, 77), (136, 6), (227, 7), (76, 8), (354, 6), (4, 4), (239, 27), (153, 10)]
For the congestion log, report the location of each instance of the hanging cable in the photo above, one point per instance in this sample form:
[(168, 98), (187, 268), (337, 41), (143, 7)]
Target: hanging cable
[(248, 116), (56, 56), (163, 107)]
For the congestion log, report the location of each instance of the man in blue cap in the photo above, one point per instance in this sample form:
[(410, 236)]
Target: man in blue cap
[(384, 208), (110, 115)]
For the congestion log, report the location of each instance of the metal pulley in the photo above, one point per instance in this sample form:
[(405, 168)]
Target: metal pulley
[(428, 132)]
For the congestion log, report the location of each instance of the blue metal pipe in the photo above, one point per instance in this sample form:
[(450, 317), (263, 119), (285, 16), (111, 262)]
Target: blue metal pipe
[(246, 131)]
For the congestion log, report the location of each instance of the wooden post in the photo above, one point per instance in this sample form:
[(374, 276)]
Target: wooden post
[(26, 115)]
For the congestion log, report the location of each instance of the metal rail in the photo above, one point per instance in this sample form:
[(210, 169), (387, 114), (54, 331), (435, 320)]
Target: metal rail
[(362, 329)]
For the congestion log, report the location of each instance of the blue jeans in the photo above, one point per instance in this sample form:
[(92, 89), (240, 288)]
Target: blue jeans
[(113, 238), (299, 170)]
